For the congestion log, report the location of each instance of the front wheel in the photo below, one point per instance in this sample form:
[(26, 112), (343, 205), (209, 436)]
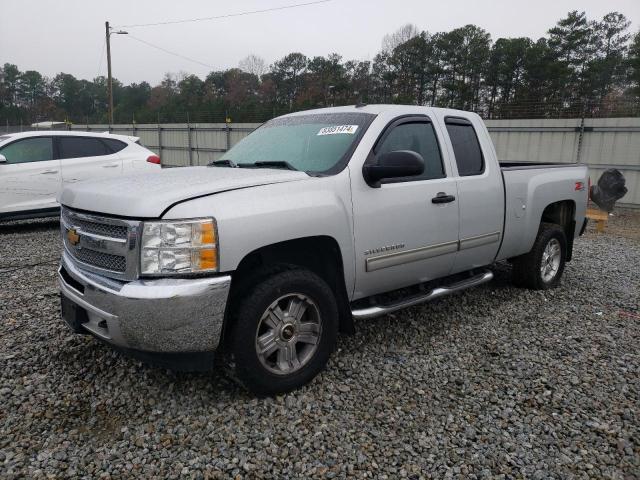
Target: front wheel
[(283, 333), (543, 266)]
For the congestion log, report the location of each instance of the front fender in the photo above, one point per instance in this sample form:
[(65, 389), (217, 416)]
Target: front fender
[(251, 218)]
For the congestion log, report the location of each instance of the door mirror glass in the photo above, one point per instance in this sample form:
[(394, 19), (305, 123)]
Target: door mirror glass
[(3, 159), (399, 163)]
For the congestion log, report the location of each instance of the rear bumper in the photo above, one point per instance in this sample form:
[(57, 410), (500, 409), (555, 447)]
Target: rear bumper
[(156, 316)]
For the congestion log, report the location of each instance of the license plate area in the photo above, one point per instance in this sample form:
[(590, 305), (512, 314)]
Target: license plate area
[(73, 315)]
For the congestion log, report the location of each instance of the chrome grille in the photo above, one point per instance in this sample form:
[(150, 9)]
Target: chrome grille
[(101, 244), (115, 263), (104, 229)]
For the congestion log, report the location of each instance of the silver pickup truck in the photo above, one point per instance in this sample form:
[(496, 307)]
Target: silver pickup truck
[(315, 219)]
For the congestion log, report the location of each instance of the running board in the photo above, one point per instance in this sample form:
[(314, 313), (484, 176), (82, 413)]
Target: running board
[(377, 310)]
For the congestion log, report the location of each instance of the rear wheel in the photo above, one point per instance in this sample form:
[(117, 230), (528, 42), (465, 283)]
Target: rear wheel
[(283, 333), (543, 266)]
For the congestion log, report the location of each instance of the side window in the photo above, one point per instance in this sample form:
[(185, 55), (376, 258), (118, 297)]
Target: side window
[(75, 147), (36, 149), (418, 137), (113, 144), (465, 147)]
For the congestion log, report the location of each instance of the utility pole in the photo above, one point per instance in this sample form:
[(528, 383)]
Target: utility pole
[(108, 33), (109, 84)]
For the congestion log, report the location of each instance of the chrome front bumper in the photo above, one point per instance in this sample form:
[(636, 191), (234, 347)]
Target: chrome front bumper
[(159, 316)]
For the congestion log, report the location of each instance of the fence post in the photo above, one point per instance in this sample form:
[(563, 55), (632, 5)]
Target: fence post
[(133, 123), (189, 140), (228, 133), (159, 138), (580, 140)]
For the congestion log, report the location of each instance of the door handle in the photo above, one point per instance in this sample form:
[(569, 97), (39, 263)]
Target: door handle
[(443, 198), (113, 165), (49, 172)]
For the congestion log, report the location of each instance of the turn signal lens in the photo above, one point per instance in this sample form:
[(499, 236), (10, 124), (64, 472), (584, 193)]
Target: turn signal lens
[(207, 259), (204, 233)]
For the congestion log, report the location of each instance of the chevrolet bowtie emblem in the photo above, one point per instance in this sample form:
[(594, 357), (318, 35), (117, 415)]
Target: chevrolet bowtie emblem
[(73, 237)]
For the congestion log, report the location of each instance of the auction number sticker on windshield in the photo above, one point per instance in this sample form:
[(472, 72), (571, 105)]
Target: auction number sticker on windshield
[(337, 129)]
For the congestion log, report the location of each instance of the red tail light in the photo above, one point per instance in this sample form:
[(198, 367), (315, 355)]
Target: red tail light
[(154, 159)]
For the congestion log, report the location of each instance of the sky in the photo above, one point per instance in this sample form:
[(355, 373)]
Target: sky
[(68, 35)]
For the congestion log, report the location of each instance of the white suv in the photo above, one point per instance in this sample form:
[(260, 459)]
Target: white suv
[(35, 166)]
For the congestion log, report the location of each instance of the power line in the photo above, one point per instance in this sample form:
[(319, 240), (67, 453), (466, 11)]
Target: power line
[(171, 53), (229, 15)]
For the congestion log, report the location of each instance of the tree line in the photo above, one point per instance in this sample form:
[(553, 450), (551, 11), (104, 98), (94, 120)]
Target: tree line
[(582, 67)]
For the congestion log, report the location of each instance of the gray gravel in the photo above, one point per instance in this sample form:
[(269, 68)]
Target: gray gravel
[(493, 383)]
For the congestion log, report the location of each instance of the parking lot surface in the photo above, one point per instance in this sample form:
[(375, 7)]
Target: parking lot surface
[(496, 382)]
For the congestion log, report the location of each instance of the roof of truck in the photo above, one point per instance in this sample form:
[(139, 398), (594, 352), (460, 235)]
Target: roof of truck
[(378, 109)]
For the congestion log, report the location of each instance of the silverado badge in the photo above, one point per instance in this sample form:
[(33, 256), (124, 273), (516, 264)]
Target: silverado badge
[(73, 237)]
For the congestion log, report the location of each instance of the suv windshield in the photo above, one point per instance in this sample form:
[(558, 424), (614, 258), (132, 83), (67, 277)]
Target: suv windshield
[(316, 143)]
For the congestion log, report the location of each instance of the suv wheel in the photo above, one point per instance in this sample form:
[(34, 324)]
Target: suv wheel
[(283, 332)]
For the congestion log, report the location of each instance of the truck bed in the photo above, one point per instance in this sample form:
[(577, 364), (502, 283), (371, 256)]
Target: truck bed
[(529, 188)]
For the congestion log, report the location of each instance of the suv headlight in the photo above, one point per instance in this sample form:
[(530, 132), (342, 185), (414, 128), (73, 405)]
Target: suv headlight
[(178, 247)]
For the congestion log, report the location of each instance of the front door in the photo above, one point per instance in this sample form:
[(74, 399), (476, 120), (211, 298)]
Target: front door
[(406, 230), (30, 179)]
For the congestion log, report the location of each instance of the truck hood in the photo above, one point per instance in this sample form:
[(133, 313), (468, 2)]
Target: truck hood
[(148, 195)]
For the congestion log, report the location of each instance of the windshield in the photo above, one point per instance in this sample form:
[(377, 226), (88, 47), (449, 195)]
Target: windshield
[(316, 143)]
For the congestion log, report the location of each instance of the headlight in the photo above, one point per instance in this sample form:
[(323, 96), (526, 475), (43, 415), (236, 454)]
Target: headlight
[(182, 246)]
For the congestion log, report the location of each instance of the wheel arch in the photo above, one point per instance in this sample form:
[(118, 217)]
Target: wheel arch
[(562, 213), (319, 254)]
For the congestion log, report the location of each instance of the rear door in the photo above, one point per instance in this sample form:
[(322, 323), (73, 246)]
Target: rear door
[(404, 234), (119, 148), (480, 190), (30, 179), (83, 158)]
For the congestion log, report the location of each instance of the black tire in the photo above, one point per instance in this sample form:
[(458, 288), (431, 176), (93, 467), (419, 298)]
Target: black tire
[(250, 369), (527, 268)]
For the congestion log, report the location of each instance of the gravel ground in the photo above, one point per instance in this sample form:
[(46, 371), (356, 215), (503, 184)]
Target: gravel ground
[(492, 383)]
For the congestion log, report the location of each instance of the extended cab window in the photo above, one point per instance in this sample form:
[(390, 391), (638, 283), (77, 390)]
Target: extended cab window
[(418, 137), (37, 149), (76, 147), (465, 147)]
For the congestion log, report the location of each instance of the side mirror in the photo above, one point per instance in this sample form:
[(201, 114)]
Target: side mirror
[(3, 159), (400, 163)]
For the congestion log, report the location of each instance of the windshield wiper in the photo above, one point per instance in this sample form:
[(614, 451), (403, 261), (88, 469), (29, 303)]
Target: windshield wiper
[(222, 163), (268, 163)]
